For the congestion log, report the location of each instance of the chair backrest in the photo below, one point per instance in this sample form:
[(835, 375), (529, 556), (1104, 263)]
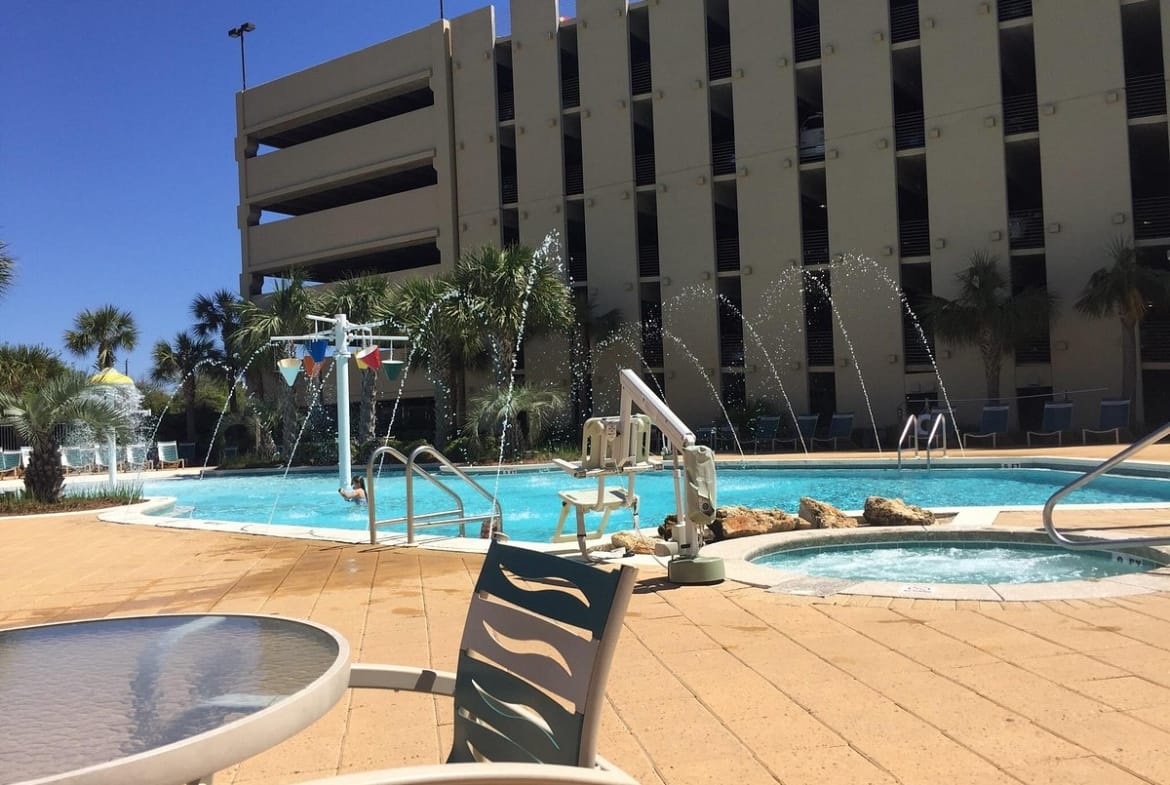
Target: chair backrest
[(995, 419), (9, 460), (768, 427), (841, 425), (536, 651), (1057, 416), (1115, 413), (25, 456), (135, 455), (807, 424), (168, 451)]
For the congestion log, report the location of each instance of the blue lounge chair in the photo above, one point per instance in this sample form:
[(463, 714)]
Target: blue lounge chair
[(766, 432), (1114, 417), (1057, 420), (992, 424), (9, 463), (806, 427), (840, 429)]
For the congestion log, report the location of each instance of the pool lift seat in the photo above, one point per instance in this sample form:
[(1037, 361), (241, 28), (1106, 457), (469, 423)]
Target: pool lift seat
[(601, 459)]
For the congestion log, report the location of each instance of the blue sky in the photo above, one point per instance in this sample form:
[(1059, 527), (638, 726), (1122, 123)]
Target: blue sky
[(117, 179)]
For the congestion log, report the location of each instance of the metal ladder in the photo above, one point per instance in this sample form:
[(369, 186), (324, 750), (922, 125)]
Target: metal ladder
[(440, 518), (1086, 543), (910, 433)]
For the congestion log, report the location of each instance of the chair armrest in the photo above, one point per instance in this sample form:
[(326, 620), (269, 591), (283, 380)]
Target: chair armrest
[(399, 677), (481, 774)]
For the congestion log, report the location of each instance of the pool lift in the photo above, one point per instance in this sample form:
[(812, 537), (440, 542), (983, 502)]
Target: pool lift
[(620, 447)]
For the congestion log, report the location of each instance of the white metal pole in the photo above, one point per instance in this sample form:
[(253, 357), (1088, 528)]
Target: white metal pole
[(341, 370), (112, 458)]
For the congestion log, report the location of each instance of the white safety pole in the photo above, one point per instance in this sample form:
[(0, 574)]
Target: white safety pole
[(112, 459), (341, 370)]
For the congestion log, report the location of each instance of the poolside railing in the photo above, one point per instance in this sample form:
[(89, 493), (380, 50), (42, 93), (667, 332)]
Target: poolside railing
[(455, 516), (1085, 543)]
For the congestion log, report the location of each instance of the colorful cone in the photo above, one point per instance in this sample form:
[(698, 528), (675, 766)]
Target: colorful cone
[(369, 358), (392, 368), (289, 368), (317, 349), (311, 368)]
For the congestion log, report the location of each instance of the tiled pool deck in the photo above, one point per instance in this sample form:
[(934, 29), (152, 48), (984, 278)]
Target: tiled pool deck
[(713, 684)]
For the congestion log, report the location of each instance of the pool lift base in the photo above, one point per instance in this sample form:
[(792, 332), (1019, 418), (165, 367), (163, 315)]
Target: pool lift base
[(695, 571)]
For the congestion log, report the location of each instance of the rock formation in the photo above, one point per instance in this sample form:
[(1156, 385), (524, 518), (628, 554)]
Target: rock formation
[(880, 511), (823, 515)]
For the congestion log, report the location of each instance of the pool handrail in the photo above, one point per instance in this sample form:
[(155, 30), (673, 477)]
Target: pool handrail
[(439, 518), (1096, 542), (910, 431)]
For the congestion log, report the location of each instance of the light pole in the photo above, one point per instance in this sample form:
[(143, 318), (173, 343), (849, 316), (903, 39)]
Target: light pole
[(238, 32)]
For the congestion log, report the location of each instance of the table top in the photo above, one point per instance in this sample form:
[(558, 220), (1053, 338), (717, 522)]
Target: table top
[(159, 698)]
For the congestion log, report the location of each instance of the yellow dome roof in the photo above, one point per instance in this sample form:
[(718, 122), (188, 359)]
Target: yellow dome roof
[(111, 376)]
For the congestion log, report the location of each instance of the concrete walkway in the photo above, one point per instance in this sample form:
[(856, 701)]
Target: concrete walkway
[(720, 684)]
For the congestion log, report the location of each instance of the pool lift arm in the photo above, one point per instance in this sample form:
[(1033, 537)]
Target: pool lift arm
[(694, 488)]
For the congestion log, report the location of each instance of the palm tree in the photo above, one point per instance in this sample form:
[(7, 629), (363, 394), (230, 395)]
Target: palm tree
[(362, 298), (23, 365), (180, 361), (988, 316), (284, 311), (40, 413), (218, 316), (7, 268), (528, 412), (1128, 290), (508, 294), (107, 329), (425, 309)]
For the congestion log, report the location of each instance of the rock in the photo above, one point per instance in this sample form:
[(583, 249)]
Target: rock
[(633, 543), (824, 516), (736, 521), (880, 511)]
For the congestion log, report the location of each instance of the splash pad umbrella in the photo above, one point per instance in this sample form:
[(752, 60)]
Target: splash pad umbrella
[(341, 332), (115, 382)]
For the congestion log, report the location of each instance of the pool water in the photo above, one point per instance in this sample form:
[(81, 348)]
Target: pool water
[(952, 562), (531, 506)]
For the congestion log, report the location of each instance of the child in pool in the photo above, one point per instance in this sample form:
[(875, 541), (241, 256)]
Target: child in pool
[(357, 493)]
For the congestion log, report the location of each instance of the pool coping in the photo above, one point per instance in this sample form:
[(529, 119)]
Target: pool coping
[(737, 555)]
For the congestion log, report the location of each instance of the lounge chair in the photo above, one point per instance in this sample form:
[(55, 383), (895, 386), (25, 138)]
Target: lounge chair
[(1113, 418), (529, 684), (767, 430), (77, 460), (1057, 419), (806, 426), (136, 459), (168, 456), (992, 424), (840, 429), (9, 463)]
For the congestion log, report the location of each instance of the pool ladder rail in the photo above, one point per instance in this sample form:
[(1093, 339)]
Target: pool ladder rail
[(912, 432), (1096, 542), (455, 516)]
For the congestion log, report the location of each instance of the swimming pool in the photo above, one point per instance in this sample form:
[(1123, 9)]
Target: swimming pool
[(530, 504)]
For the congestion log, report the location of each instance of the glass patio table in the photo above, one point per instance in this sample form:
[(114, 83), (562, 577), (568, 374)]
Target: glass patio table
[(163, 700)]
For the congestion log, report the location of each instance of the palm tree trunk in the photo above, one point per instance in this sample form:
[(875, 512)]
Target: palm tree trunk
[(367, 416), (45, 478), (1129, 369), (992, 360), (189, 405)]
